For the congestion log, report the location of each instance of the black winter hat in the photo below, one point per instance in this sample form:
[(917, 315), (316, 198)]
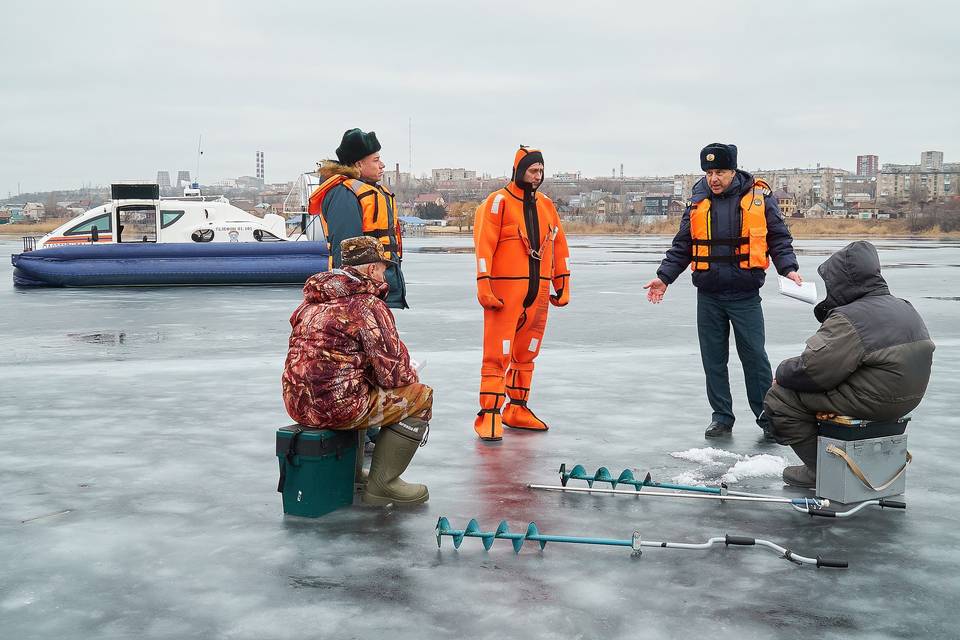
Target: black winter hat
[(717, 155), (357, 145)]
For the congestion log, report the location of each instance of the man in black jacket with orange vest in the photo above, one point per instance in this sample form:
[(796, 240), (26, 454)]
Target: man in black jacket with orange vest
[(352, 201), (729, 228)]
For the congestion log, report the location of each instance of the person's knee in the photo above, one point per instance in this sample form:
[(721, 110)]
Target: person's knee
[(423, 404), (789, 423), (497, 370), (428, 397), (771, 396), (790, 429), (753, 356)]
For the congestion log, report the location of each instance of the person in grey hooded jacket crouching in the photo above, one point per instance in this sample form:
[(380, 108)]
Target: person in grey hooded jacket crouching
[(870, 359)]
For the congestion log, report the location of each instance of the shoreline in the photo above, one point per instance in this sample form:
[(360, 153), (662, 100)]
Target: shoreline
[(801, 228)]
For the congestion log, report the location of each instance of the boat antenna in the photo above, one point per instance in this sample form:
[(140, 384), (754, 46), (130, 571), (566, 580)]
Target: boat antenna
[(199, 153)]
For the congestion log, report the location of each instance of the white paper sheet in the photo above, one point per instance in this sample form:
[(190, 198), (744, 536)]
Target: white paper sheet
[(806, 291)]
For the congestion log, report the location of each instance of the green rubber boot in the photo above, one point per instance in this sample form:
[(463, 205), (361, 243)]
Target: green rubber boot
[(396, 445)]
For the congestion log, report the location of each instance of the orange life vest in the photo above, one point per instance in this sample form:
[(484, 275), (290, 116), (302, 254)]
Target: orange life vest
[(378, 212), (750, 249)]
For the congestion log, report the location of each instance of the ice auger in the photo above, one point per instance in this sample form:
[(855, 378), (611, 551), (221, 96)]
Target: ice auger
[(634, 542), (578, 472), (811, 506)]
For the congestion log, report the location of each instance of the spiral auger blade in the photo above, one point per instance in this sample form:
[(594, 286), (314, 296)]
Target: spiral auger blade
[(635, 542), (626, 477), (473, 530), (534, 534), (602, 475), (516, 539), (443, 529), (503, 532), (577, 473), (443, 526)]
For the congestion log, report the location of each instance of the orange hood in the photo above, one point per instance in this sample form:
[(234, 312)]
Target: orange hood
[(522, 160)]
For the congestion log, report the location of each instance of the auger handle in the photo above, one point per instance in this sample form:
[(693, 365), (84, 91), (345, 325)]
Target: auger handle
[(835, 564), (740, 540), (892, 504), (822, 513)]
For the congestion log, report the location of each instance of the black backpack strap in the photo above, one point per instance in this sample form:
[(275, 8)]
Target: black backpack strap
[(288, 459)]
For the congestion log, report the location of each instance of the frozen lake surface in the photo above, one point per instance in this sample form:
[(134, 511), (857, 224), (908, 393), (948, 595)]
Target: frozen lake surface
[(139, 479)]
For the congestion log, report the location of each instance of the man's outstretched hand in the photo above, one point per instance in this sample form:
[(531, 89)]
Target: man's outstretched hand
[(795, 276), (655, 290)]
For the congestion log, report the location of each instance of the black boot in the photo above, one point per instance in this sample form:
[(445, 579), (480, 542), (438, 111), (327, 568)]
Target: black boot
[(803, 475), (718, 430), (800, 476)]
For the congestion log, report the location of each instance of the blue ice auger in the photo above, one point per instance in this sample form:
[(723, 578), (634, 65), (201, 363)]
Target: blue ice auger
[(634, 543), (503, 533), (811, 506), (626, 477)]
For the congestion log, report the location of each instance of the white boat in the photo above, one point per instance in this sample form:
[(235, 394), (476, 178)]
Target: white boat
[(138, 214), (140, 239)]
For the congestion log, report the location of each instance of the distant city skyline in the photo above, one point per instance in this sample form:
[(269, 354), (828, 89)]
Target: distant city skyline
[(872, 162), (647, 89)]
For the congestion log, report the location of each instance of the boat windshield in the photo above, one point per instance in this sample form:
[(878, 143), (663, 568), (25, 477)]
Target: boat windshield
[(102, 223)]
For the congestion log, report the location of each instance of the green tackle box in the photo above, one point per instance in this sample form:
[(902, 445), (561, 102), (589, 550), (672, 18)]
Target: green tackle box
[(316, 469)]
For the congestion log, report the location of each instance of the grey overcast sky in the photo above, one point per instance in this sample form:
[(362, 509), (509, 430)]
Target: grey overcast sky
[(93, 92)]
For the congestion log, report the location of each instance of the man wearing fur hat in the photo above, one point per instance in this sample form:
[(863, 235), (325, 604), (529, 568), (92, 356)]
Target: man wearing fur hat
[(352, 202), (729, 232)]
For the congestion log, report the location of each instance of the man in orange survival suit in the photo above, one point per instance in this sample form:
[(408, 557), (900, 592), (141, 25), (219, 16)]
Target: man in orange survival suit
[(520, 249)]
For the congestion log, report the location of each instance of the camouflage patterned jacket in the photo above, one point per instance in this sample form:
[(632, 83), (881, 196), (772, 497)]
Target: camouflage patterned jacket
[(344, 343)]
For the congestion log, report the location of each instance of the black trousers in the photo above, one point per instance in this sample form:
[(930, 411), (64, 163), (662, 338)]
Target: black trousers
[(715, 317), (793, 414)]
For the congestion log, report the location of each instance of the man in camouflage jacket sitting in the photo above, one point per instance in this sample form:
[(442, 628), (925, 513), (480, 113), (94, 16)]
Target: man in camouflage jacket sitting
[(347, 368)]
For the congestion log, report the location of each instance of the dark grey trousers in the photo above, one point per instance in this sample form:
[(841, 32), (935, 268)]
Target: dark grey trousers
[(793, 414), (714, 319)]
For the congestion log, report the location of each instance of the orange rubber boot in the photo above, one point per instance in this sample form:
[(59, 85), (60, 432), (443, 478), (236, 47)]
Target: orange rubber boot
[(517, 415), (489, 424)]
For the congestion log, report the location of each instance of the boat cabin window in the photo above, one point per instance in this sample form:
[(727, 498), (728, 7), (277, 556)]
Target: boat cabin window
[(265, 236), (102, 223), (167, 218), (137, 223)]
